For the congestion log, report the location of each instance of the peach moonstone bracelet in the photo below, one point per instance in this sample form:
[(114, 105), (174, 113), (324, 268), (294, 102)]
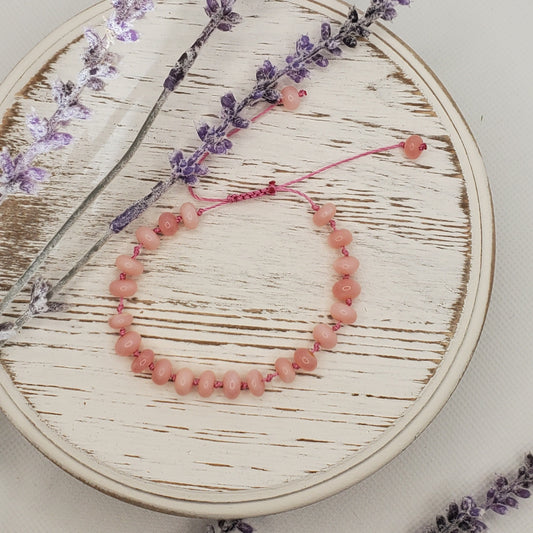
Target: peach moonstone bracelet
[(304, 359)]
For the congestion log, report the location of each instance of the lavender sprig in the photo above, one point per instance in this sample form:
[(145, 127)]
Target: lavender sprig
[(226, 526), (306, 55), (501, 496), (19, 174), (175, 76), (215, 140)]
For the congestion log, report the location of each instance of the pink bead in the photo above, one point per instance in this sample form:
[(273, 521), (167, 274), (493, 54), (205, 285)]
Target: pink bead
[(129, 266), (162, 371), (305, 359), (120, 320), (148, 238), (412, 147), (142, 361), (183, 382), (231, 383), (346, 264), (339, 238), (128, 343), (206, 383), (346, 288), (255, 382), (325, 336), (167, 223), (285, 370), (189, 215), (290, 98), (343, 313), (324, 214), (123, 288)]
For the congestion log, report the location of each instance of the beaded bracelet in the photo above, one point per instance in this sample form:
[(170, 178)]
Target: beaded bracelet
[(345, 290)]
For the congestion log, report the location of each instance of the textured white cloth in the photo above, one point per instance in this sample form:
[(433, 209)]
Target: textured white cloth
[(482, 52)]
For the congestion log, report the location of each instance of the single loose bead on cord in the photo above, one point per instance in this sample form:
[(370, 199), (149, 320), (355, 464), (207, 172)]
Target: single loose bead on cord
[(142, 361), (183, 381), (343, 313), (167, 223), (346, 288), (255, 382), (324, 214), (147, 238), (206, 383), (305, 359), (325, 336), (128, 344), (339, 238), (290, 98), (189, 215), (285, 369), (346, 264), (129, 265), (231, 384), (120, 320), (413, 147), (162, 371), (123, 288)]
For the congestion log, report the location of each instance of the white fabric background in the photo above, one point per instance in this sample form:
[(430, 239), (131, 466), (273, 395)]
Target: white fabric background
[(482, 52)]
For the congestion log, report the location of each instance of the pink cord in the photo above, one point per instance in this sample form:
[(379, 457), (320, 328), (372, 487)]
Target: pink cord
[(284, 187)]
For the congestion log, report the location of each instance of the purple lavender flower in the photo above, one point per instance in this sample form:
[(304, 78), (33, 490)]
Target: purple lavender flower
[(185, 169), (265, 76), (224, 10), (18, 175), (229, 104), (126, 12)]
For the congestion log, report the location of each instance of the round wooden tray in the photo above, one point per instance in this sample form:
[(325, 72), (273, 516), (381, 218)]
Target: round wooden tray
[(251, 282)]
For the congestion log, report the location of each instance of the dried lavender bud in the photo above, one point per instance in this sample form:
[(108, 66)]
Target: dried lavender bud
[(6, 330), (40, 299)]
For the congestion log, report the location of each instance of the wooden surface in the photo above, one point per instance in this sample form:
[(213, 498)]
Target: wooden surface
[(251, 282)]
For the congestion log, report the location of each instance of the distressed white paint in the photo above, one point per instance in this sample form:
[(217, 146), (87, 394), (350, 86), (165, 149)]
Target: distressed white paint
[(251, 282)]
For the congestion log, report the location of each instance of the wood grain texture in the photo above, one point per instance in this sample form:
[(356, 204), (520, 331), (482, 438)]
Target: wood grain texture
[(250, 283)]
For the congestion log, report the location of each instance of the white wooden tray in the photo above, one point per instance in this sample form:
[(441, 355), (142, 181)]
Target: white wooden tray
[(251, 282)]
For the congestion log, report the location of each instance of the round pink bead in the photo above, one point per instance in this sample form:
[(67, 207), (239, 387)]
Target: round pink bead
[(346, 264), (231, 383), (148, 238), (339, 238), (129, 265), (167, 223), (325, 336), (183, 382), (120, 320), (128, 343), (142, 361), (324, 214), (162, 371), (206, 383), (290, 98), (412, 147), (123, 288), (189, 215), (346, 288), (285, 370), (343, 313), (255, 382), (305, 359)]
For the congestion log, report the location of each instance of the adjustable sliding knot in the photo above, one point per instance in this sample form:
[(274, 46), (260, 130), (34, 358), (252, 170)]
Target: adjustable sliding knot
[(270, 190)]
